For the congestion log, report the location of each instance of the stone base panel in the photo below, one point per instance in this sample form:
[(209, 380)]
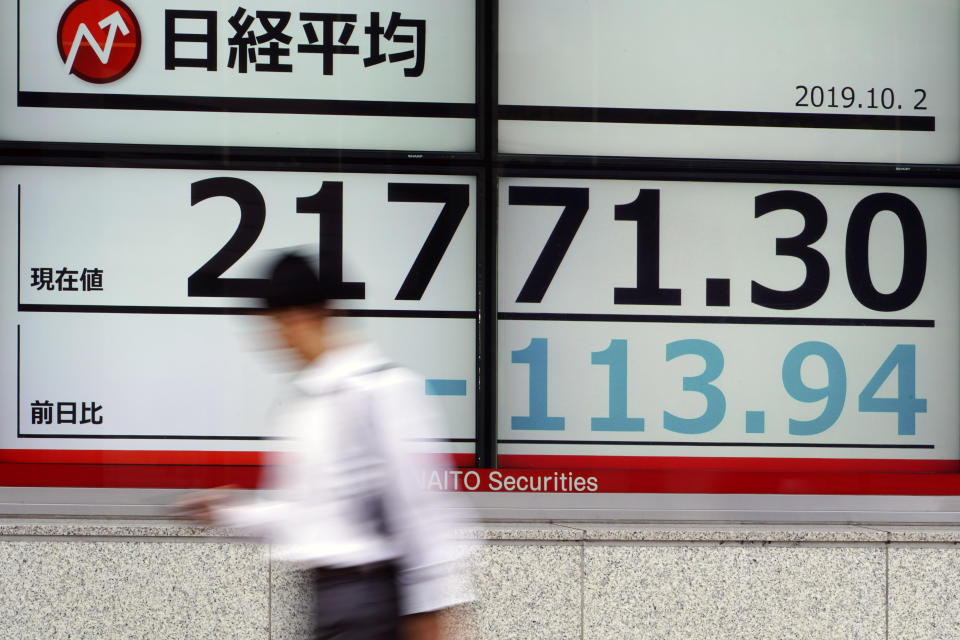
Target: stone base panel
[(119, 579)]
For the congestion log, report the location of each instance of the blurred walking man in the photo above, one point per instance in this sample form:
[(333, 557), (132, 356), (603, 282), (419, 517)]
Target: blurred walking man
[(349, 508)]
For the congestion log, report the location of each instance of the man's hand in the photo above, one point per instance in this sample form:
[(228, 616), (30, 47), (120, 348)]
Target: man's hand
[(201, 505), (422, 626)]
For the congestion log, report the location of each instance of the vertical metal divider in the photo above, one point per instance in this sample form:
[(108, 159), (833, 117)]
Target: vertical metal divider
[(486, 424)]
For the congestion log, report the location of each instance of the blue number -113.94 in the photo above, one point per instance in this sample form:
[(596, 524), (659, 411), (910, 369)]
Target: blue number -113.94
[(903, 359)]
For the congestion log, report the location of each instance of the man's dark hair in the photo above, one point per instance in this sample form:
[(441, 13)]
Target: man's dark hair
[(293, 282)]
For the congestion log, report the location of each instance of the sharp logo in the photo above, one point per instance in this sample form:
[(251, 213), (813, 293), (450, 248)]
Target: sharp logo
[(99, 40)]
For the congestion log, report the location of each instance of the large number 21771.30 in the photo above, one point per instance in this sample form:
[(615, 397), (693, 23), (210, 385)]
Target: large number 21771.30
[(902, 359)]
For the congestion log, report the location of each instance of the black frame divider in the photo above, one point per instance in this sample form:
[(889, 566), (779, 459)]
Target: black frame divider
[(486, 446)]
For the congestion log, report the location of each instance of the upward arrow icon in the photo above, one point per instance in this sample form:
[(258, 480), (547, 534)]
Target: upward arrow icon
[(114, 21)]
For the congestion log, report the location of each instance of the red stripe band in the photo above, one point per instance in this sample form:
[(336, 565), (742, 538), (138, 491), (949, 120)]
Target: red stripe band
[(528, 474)]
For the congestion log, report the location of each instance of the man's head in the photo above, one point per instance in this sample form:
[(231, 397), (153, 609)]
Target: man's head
[(296, 300)]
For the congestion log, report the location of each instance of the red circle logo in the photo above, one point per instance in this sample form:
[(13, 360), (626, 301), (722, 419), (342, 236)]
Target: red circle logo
[(99, 40)]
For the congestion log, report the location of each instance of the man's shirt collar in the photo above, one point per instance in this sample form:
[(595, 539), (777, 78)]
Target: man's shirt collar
[(335, 365)]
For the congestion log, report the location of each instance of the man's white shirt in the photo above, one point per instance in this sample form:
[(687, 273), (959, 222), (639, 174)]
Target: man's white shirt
[(347, 493)]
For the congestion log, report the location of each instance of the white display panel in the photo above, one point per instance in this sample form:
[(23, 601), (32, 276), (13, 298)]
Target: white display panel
[(817, 80), (112, 340), (340, 75), (696, 319)]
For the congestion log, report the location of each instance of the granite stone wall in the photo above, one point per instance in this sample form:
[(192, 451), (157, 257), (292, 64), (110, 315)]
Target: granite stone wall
[(118, 579)]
